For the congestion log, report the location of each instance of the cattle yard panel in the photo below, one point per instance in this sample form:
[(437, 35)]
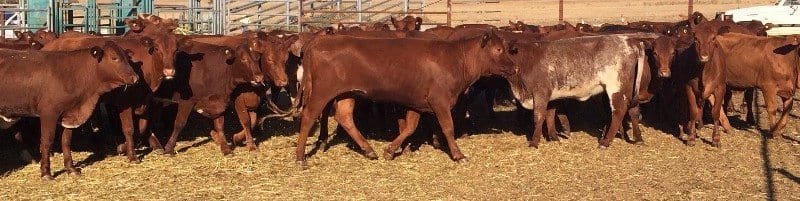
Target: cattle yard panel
[(63, 15), (262, 14), (24, 15), (320, 12)]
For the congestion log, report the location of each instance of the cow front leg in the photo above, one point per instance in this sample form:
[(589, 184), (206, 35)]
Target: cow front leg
[(344, 115), (126, 120), (539, 115), (184, 109), (442, 112), (47, 126), (619, 107), (551, 124), (66, 150), (717, 113), (218, 134), (310, 112)]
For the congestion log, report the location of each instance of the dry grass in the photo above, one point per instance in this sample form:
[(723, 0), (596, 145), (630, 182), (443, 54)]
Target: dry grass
[(501, 166)]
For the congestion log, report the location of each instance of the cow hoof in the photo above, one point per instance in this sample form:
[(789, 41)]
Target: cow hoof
[(462, 160), (169, 153), (533, 145), (603, 144), (388, 155), (302, 165), (371, 155), (252, 148), (134, 161), (602, 147), (640, 143), (716, 144), (47, 178), (25, 156), (690, 143), (74, 172)]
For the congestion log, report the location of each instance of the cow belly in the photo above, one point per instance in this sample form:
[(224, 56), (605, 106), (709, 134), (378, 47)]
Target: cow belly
[(582, 93)]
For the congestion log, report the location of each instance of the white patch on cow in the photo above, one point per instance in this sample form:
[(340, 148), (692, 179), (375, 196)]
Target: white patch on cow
[(527, 104), (550, 68), (65, 125), (582, 92), (200, 111), (516, 31), (299, 73), (704, 58)]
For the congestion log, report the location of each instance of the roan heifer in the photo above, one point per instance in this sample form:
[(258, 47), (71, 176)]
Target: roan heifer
[(582, 67), (425, 76), (61, 86)]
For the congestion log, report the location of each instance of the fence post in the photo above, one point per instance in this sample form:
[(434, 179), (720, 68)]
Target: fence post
[(288, 10), (560, 11), (449, 13), (405, 6), (358, 7), (300, 16), (691, 7)]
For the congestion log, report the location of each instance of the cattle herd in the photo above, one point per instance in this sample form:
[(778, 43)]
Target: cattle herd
[(327, 70)]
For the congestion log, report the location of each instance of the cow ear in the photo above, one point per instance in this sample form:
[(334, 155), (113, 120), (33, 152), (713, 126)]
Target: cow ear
[(18, 34), (97, 53), (393, 20), (171, 24), (148, 43), (484, 40), (229, 54), (129, 53), (724, 30)]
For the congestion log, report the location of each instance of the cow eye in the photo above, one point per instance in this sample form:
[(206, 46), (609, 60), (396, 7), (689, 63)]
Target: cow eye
[(114, 58)]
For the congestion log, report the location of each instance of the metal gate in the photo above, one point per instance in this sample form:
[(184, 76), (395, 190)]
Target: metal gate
[(322, 12)]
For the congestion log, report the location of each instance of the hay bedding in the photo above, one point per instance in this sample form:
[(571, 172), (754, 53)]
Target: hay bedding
[(500, 166)]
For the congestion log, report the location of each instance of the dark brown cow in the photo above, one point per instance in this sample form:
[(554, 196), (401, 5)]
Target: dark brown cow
[(656, 27), (131, 102), (208, 75), (771, 66), (343, 65), (408, 23), (580, 68), (66, 87)]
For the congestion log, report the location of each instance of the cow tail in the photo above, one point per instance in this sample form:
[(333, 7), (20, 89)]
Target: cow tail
[(640, 63)]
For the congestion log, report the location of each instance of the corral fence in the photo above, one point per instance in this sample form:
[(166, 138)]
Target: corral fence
[(225, 16)]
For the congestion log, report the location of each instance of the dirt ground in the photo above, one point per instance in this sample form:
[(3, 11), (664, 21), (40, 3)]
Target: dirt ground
[(500, 166)]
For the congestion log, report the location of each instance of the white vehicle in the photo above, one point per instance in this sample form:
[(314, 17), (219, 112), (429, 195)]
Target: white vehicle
[(785, 15)]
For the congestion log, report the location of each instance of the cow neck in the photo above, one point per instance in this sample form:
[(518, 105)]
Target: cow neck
[(84, 72), (470, 70)]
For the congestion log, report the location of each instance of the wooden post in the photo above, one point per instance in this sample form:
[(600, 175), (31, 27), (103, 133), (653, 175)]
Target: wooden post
[(560, 11), (300, 17), (449, 13), (691, 8)]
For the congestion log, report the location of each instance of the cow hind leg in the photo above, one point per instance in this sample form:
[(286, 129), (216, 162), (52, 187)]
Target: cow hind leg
[(770, 97), (634, 114), (562, 118), (406, 129), (247, 125), (618, 109), (344, 115), (749, 99)]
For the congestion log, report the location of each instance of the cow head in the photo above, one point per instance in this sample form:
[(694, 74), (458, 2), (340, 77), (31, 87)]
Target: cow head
[(705, 37), (697, 18), (159, 67), (664, 50), (495, 53), (112, 63), (245, 66), (164, 41), (43, 36), (24, 35), (582, 27), (274, 58)]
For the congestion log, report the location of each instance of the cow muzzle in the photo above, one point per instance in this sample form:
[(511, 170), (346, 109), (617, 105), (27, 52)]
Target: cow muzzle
[(169, 73), (665, 73), (704, 58), (257, 80)]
